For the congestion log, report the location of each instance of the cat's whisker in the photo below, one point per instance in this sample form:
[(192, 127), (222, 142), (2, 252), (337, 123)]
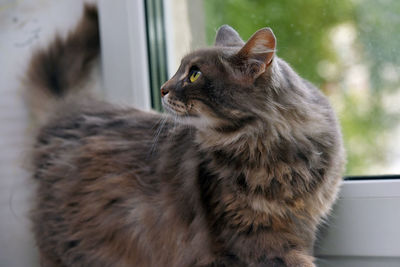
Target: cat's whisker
[(157, 122), (176, 120), (156, 137), (187, 121)]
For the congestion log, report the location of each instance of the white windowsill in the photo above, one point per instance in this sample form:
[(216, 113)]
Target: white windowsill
[(364, 226)]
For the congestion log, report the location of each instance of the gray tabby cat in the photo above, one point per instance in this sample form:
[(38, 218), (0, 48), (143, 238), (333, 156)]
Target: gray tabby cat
[(243, 177)]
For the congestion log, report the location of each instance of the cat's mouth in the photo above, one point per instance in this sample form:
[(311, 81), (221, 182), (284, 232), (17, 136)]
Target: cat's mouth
[(175, 106)]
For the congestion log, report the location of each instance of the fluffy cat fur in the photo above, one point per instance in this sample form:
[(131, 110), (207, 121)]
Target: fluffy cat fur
[(240, 174)]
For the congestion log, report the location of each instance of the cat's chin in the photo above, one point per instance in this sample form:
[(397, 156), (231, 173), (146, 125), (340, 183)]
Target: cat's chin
[(199, 122), (168, 110), (192, 120)]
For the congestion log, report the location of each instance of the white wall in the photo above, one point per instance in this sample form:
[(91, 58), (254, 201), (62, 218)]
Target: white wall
[(24, 25)]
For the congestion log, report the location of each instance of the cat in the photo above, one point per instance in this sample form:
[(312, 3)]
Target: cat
[(240, 172)]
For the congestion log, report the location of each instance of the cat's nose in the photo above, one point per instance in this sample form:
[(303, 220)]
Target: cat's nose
[(164, 91)]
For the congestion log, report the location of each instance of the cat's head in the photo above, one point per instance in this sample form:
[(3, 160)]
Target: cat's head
[(223, 87)]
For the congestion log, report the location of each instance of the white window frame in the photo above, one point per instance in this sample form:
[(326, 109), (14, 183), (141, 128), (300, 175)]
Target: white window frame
[(364, 227), (124, 52)]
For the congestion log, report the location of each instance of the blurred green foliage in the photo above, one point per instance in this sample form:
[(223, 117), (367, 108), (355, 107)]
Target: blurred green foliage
[(304, 32), (300, 26)]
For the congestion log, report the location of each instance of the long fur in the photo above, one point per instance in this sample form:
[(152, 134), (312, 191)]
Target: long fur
[(240, 175), (60, 70)]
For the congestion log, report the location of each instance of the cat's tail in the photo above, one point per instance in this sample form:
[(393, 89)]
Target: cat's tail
[(61, 70)]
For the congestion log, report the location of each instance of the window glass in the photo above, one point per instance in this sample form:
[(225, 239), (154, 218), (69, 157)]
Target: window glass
[(348, 48)]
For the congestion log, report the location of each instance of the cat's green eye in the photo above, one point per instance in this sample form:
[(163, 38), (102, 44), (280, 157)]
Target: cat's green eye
[(194, 75)]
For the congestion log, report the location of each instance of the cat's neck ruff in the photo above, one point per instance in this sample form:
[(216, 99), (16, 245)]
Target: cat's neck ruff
[(247, 142)]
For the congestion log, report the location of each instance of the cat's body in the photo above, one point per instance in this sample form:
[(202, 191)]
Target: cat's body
[(243, 178)]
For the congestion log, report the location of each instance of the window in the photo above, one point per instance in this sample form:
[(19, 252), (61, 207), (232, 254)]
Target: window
[(347, 48)]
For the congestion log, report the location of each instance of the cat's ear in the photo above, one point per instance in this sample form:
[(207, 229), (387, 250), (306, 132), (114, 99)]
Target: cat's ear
[(227, 36), (258, 52)]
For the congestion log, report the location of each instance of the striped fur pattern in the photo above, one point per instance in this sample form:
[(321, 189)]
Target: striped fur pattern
[(239, 173)]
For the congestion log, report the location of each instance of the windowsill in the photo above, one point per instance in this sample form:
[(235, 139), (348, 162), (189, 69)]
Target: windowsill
[(364, 223)]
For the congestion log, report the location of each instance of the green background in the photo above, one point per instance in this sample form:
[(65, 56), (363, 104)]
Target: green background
[(304, 30)]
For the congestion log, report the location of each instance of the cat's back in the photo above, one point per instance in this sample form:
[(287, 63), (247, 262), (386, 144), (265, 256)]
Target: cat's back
[(93, 128), (106, 180), (294, 86)]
